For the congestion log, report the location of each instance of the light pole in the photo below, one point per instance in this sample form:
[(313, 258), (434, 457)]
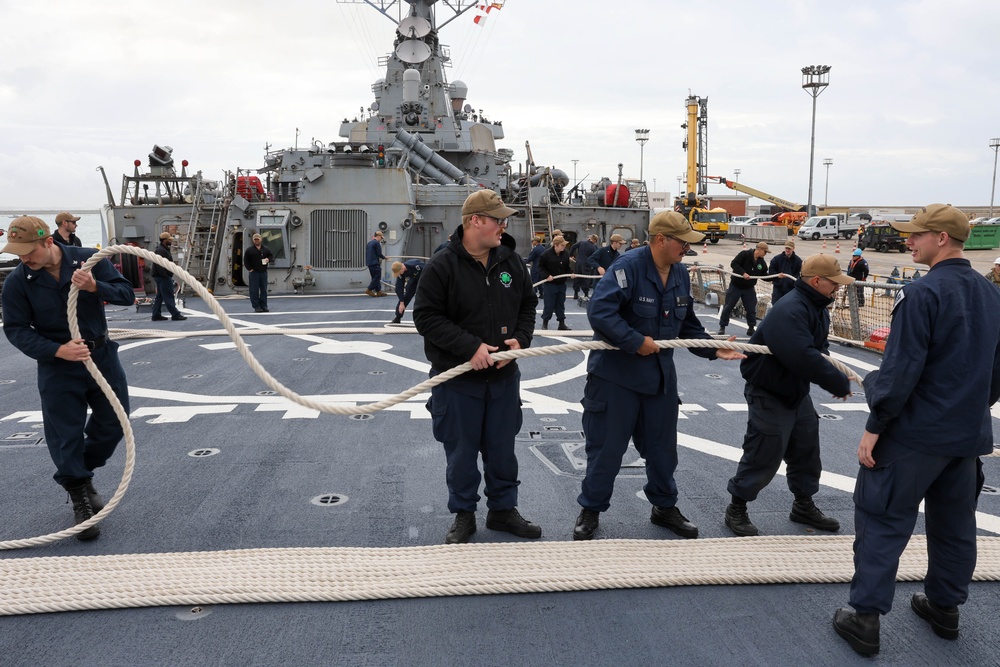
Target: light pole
[(737, 173), (995, 145), (642, 136), (827, 162), (815, 79), (574, 170)]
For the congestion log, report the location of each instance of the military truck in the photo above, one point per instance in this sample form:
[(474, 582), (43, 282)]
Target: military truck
[(882, 237)]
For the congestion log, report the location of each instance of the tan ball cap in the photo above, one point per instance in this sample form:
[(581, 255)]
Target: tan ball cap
[(487, 202), (672, 223), (825, 266), (23, 233), (938, 218)]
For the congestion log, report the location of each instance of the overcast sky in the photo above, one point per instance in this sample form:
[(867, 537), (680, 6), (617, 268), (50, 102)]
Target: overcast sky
[(912, 103)]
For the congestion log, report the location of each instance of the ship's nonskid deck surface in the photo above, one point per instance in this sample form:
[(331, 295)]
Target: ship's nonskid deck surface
[(224, 464)]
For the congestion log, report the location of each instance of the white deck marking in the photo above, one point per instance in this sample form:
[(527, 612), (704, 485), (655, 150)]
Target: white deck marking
[(220, 346), (175, 415), (984, 521), (25, 416)]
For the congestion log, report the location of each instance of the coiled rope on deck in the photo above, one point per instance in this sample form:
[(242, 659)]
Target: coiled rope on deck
[(40, 585), (33, 585)]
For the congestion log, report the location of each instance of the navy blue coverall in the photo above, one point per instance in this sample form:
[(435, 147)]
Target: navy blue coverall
[(791, 266), (930, 404), (373, 255), (406, 283), (632, 396), (782, 424), (34, 320)]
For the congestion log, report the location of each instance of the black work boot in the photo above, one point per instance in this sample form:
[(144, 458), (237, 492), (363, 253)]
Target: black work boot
[(96, 502), (462, 528), (739, 521), (804, 510), (545, 324), (943, 620), (562, 326), (671, 517), (721, 331), (82, 510), (586, 524), (398, 319), (511, 521), (860, 630)]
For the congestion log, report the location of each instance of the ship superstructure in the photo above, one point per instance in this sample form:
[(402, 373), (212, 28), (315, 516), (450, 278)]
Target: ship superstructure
[(404, 167)]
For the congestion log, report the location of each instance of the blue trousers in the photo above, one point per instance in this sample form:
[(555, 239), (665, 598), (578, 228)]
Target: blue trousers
[(473, 419), (79, 445), (776, 433), (165, 297), (733, 296), (611, 415), (376, 273), (554, 301), (886, 500), (258, 289)]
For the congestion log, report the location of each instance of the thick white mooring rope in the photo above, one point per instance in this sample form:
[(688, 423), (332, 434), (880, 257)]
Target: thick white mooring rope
[(33, 585)]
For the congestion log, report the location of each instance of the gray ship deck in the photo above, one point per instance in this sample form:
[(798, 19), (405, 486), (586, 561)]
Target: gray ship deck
[(196, 393)]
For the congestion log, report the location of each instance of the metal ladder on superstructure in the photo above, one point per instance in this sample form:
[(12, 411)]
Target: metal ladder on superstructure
[(202, 240), (640, 198)]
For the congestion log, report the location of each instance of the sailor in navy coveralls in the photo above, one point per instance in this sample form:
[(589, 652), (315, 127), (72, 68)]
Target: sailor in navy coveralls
[(631, 392), (929, 424), (35, 322)]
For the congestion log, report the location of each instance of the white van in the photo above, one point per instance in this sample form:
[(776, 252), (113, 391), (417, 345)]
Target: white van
[(825, 227)]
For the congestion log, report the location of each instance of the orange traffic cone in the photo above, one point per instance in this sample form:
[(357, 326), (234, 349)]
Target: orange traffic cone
[(838, 247), (705, 251), (824, 244), (744, 244)]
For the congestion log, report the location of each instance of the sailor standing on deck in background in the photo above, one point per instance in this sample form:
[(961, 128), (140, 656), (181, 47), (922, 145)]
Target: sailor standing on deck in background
[(742, 287), (782, 424), (788, 267), (373, 259), (554, 262), (994, 274), (929, 423), (582, 250), (66, 230), (256, 258), (407, 275), (164, 280), (631, 392), (537, 250), (475, 298), (35, 295), (601, 260), (857, 268)]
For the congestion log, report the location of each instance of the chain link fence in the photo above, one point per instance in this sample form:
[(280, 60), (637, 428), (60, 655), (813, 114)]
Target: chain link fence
[(861, 313)]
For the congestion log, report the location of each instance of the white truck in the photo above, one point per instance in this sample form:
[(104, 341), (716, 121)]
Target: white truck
[(826, 227)]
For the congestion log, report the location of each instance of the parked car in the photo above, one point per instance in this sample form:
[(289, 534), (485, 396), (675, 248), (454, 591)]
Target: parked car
[(826, 226), (883, 238), (991, 221), (758, 220), (739, 219)]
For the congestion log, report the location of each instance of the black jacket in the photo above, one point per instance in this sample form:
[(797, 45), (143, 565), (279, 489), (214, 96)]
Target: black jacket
[(73, 240), (745, 262), (460, 304), (796, 332), (164, 252), (552, 264), (252, 258)]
